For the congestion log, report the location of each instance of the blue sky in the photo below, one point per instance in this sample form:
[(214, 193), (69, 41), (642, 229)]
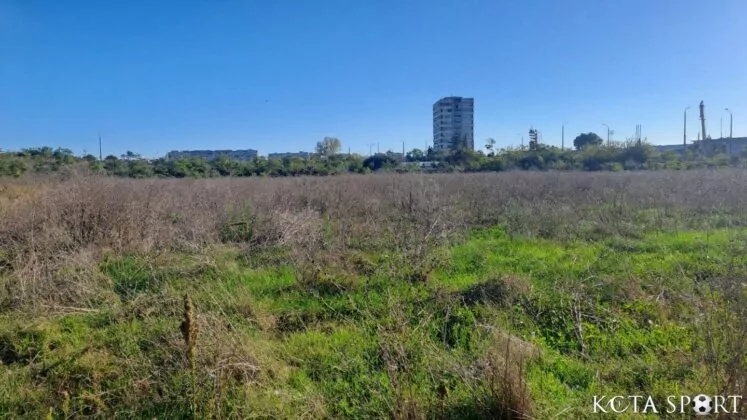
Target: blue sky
[(154, 76)]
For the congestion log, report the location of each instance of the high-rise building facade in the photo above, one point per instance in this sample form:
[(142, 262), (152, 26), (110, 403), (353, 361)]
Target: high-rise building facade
[(454, 122)]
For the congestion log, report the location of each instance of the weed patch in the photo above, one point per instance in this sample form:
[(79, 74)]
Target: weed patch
[(444, 296)]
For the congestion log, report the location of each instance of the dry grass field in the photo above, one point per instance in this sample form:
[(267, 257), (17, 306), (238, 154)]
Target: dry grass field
[(511, 295)]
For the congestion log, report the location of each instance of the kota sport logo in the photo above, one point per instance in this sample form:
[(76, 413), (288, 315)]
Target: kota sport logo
[(701, 404)]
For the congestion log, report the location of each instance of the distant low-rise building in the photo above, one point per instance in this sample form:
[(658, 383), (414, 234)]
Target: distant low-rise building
[(425, 164), (731, 146), (303, 155), (395, 155), (213, 154), (669, 148)]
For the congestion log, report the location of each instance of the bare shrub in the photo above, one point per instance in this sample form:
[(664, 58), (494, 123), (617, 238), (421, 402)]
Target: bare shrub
[(293, 228), (53, 284), (497, 380), (505, 291), (509, 396), (724, 328)]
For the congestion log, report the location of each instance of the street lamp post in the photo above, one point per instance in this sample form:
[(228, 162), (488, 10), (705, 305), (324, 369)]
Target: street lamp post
[(731, 123), (562, 137), (608, 134), (522, 140)]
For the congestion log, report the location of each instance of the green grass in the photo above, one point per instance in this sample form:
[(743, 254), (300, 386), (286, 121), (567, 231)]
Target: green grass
[(275, 343)]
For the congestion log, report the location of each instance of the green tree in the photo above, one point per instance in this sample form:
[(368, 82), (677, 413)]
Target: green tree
[(45, 151), (295, 165), (584, 140), (415, 155), (226, 166), (494, 164), (636, 155), (199, 168), (329, 146), (129, 155), (489, 145), (275, 167), (14, 167), (139, 168), (462, 157), (532, 161), (436, 155), (161, 167), (380, 161), (355, 165), (114, 166), (95, 165), (63, 155)]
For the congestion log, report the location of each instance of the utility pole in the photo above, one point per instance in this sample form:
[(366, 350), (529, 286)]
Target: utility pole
[(703, 135), (608, 134), (684, 132), (562, 137), (731, 123), (722, 127), (370, 145), (100, 154), (377, 148)]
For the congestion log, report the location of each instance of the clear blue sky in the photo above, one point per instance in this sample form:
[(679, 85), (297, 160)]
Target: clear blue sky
[(279, 75)]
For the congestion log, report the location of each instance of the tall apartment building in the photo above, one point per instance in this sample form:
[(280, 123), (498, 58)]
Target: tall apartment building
[(453, 121)]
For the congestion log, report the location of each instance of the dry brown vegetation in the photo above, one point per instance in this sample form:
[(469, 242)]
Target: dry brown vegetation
[(66, 223)]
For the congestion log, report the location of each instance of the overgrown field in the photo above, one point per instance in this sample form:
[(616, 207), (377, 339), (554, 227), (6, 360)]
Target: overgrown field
[(513, 295)]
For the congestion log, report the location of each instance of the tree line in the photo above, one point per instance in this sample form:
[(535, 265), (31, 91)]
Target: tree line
[(589, 153)]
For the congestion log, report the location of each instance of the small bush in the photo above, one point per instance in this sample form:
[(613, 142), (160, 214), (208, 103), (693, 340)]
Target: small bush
[(240, 225), (504, 292), (132, 276)]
